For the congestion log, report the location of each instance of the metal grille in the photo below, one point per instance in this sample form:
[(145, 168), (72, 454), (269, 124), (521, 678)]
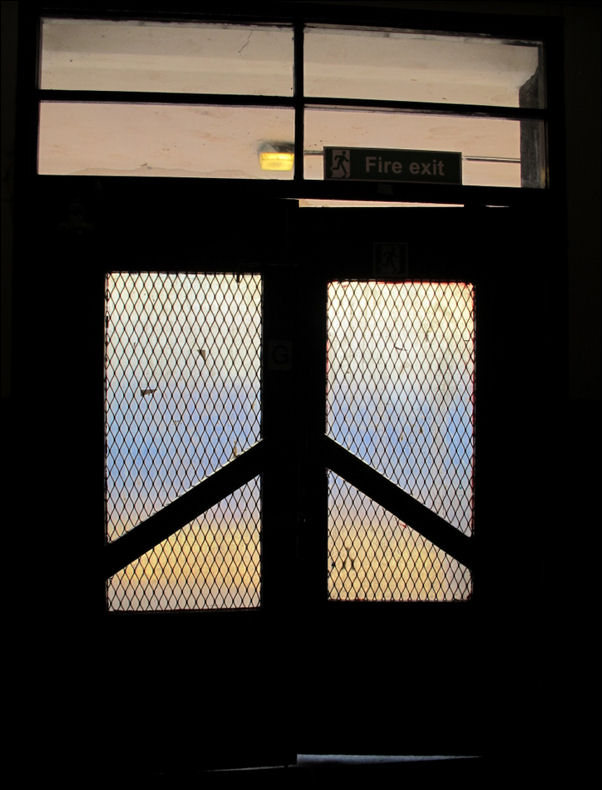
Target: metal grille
[(375, 557), (400, 386), (211, 563), (400, 397), (182, 385), (182, 398)]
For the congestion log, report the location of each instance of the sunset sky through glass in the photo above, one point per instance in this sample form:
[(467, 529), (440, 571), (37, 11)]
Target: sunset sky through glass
[(183, 398)]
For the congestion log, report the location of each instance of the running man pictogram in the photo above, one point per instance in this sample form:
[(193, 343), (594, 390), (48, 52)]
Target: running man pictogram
[(340, 163)]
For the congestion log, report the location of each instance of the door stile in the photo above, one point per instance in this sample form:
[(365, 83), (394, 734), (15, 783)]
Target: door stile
[(313, 483), (280, 470)]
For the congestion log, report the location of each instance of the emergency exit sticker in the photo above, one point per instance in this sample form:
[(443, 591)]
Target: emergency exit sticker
[(385, 164), (390, 259)]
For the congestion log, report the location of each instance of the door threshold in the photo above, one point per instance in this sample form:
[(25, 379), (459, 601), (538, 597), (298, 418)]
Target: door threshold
[(376, 759)]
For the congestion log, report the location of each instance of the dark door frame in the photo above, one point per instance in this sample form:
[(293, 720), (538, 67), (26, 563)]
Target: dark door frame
[(467, 654), (289, 656)]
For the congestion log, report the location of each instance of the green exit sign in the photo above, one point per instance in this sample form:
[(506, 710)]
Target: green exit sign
[(386, 164)]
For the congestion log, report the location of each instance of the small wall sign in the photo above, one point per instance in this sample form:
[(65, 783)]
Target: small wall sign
[(280, 355), (390, 259), (385, 164)]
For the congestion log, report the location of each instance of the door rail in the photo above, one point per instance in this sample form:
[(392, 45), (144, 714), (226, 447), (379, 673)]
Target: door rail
[(401, 504), (181, 511)]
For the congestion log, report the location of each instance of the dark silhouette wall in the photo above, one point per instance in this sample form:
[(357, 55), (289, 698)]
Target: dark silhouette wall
[(52, 648)]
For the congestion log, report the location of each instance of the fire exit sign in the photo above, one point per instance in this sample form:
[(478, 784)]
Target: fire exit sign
[(385, 164)]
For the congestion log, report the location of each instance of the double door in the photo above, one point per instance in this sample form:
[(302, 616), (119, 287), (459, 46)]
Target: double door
[(336, 578), (323, 568)]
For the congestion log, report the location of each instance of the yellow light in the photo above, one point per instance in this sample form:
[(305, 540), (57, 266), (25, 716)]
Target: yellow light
[(276, 160)]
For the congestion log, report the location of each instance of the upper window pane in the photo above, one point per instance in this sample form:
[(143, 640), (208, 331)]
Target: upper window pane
[(491, 148), (416, 66), (177, 140), (160, 57)]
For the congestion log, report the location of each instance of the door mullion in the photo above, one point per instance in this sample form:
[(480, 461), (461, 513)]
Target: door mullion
[(294, 487), (279, 479), (311, 425)]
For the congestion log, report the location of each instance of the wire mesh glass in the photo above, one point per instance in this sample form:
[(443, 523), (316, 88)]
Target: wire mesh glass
[(211, 563), (401, 398), (373, 556), (182, 398), (400, 386)]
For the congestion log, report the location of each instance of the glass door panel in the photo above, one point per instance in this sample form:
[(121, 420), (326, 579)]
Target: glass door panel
[(400, 386), (400, 398), (182, 401)]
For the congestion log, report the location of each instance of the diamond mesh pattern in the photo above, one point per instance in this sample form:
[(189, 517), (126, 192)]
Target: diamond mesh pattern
[(182, 385), (400, 386), (211, 563), (373, 556)]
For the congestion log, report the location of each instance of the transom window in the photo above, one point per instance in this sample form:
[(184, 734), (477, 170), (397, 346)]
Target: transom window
[(231, 101)]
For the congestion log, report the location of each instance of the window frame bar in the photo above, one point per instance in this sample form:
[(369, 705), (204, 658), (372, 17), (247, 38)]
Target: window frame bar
[(308, 102)]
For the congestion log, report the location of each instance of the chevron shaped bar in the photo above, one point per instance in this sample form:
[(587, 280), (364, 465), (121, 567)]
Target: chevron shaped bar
[(181, 511), (396, 501)]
